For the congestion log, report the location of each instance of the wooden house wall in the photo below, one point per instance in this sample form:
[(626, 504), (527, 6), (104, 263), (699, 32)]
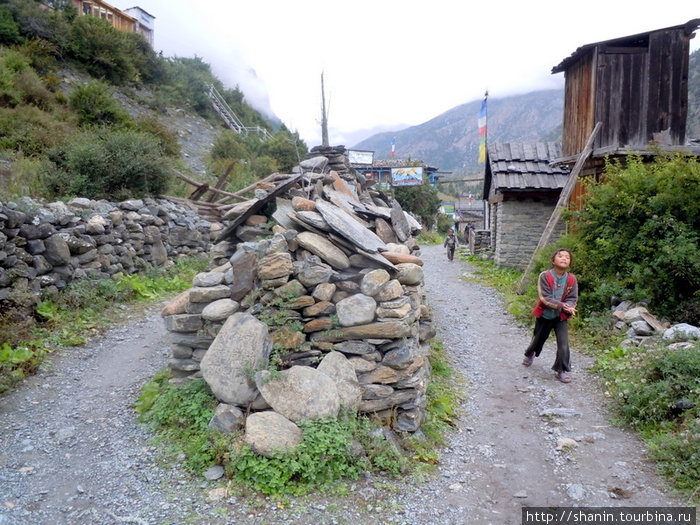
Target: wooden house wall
[(578, 105), (621, 97), (667, 108)]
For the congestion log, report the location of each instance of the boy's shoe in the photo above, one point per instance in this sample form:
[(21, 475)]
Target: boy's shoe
[(563, 377), (529, 359)]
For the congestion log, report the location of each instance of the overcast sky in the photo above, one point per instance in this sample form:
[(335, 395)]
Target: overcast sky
[(391, 64)]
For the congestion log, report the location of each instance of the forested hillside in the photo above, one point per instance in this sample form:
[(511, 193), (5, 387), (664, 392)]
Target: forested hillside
[(63, 131)]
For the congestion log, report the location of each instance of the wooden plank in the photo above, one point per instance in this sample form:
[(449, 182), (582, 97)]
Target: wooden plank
[(257, 206), (561, 205)]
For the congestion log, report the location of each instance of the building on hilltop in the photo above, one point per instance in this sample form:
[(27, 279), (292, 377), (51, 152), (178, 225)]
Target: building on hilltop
[(522, 188), (134, 19), (145, 22)]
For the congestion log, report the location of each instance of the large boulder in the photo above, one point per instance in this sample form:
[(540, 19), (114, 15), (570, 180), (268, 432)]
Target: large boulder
[(269, 433), (300, 392), (336, 366), (241, 346)]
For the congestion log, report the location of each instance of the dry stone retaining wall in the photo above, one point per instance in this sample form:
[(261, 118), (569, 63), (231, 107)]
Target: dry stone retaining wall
[(45, 246)]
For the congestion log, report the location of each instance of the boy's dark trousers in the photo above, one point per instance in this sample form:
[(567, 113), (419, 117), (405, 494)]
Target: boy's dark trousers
[(450, 253), (543, 327)]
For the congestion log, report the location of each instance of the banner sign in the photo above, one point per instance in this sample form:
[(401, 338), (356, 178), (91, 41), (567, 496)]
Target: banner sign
[(406, 176), (448, 208), (360, 157)]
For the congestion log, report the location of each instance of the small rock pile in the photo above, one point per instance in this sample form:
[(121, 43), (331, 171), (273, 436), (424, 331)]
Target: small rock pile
[(326, 313), (643, 329)]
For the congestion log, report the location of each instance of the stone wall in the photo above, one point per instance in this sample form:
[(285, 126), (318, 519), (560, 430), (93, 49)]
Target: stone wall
[(519, 226), (45, 246)]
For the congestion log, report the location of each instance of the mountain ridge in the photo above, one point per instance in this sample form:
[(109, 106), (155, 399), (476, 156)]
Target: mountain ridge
[(450, 141)]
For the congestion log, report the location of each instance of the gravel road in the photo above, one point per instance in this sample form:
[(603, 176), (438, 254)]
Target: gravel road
[(72, 451)]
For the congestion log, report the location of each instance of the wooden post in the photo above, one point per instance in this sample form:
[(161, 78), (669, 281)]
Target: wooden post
[(561, 205)]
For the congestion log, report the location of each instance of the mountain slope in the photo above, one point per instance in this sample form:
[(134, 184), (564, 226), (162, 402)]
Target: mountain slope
[(450, 141)]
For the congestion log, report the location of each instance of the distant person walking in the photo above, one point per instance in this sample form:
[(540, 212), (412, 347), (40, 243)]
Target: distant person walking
[(450, 243), (557, 291)]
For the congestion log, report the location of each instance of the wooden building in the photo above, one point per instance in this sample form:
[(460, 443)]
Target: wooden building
[(522, 187), (100, 9), (636, 86)]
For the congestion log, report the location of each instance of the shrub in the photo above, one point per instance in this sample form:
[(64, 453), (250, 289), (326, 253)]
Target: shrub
[(94, 104), (638, 232), (9, 29), (108, 165), (101, 49), (169, 143), (29, 130)]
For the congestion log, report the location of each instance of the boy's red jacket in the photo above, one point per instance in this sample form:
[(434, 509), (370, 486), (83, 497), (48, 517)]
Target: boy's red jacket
[(540, 307)]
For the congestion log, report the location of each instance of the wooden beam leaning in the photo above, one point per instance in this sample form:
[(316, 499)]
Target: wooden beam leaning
[(563, 201)]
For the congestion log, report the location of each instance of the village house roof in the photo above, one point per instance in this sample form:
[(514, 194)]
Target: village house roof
[(394, 163), (519, 166)]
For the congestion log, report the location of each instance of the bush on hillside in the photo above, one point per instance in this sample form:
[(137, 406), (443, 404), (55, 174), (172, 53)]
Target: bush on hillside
[(101, 49), (169, 143), (9, 29), (113, 165), (637, 235), (94, 105), (29, 131)]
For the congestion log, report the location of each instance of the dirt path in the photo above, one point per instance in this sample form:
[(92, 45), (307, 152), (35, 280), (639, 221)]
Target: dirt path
[(71, 450), (508, 446)]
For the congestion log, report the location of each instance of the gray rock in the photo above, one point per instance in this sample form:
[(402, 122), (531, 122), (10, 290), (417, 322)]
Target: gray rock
[(682, 332), (269, 433), (206, 279), (349, 228), (300, 393), (323, 292), (209, 294), (242, 346), (355, 310), (220, 310), (312, 271), (373, 282), (57, 252), (399, 222), (226, 419), (325, 249), (336, 366), (642, 328), (409, 273)]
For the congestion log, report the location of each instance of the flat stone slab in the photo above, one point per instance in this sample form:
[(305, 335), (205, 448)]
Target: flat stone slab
[(349, 228)]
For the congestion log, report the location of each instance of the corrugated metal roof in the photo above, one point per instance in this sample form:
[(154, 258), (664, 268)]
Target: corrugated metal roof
[(526, 166)]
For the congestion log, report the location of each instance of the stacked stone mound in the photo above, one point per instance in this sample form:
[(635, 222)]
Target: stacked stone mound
[(334, 298), (45, 246)]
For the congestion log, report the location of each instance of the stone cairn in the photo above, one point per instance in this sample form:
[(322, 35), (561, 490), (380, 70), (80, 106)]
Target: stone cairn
[(332, 297)]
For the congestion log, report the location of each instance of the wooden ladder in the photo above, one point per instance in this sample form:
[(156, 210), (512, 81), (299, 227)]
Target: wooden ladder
[(563, 201)]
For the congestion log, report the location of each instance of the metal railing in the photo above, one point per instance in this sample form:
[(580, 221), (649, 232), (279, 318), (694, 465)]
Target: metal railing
[(230, 118)]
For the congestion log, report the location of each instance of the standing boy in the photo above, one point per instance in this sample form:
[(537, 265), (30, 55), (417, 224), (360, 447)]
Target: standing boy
[(557, 290), (450, 243)]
